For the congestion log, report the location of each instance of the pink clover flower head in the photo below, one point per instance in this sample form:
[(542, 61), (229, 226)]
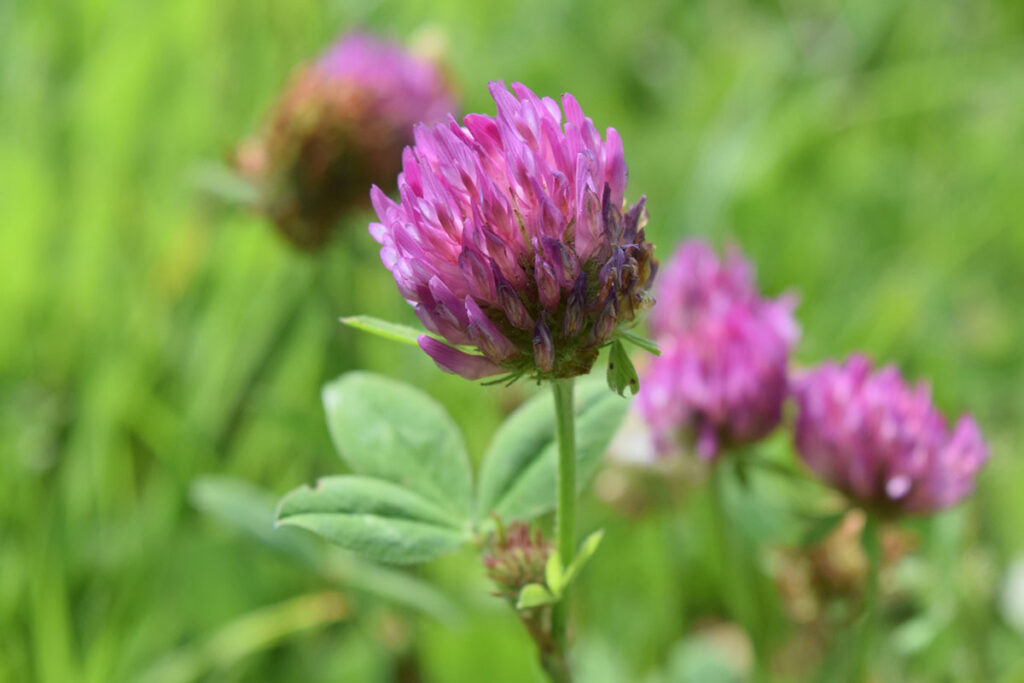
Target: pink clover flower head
[(511, 239), (721, 379), (882, 442)]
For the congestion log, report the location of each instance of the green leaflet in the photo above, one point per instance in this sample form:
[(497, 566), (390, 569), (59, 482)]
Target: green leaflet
[(374, 518), (389, 430), (251, 511), (517, 479)]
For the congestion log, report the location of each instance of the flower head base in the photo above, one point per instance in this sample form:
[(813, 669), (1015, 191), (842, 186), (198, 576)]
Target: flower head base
[(721, 377), (339, 128), (516, 557), (882, 442), (510, 238)]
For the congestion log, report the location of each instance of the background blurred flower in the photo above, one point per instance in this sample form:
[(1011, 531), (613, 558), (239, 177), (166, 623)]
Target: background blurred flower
[(721, 376), (881, 441), (339, 128), (510, 237)]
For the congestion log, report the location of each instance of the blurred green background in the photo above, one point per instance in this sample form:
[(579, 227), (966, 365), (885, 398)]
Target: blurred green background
[(866, 154)]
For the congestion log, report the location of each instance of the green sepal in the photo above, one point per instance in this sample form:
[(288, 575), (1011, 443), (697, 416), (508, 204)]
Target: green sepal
[(583, 555), (554, 574), (535, 595), (558, 577), (404, 334), (621, 373), (648, 345)]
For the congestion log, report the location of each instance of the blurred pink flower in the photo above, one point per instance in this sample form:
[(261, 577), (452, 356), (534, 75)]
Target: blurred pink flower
[(407, 89), (339, 128), (509, 237), (721, 378), (881, 441)]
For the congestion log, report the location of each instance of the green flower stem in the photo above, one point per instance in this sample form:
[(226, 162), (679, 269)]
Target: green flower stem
[(738, 582), (565, 519), (871, 540)]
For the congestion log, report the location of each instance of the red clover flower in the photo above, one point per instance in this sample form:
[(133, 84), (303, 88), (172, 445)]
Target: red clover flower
[(882, 442), (511, 239), (721, 377)]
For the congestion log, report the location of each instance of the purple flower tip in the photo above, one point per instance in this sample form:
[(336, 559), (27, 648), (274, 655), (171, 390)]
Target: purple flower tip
[(721, 378), (510, 234), (457, 362), (881, 441)]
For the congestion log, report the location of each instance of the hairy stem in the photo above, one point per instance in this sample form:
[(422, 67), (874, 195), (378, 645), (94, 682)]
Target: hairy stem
[(565, 519)]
